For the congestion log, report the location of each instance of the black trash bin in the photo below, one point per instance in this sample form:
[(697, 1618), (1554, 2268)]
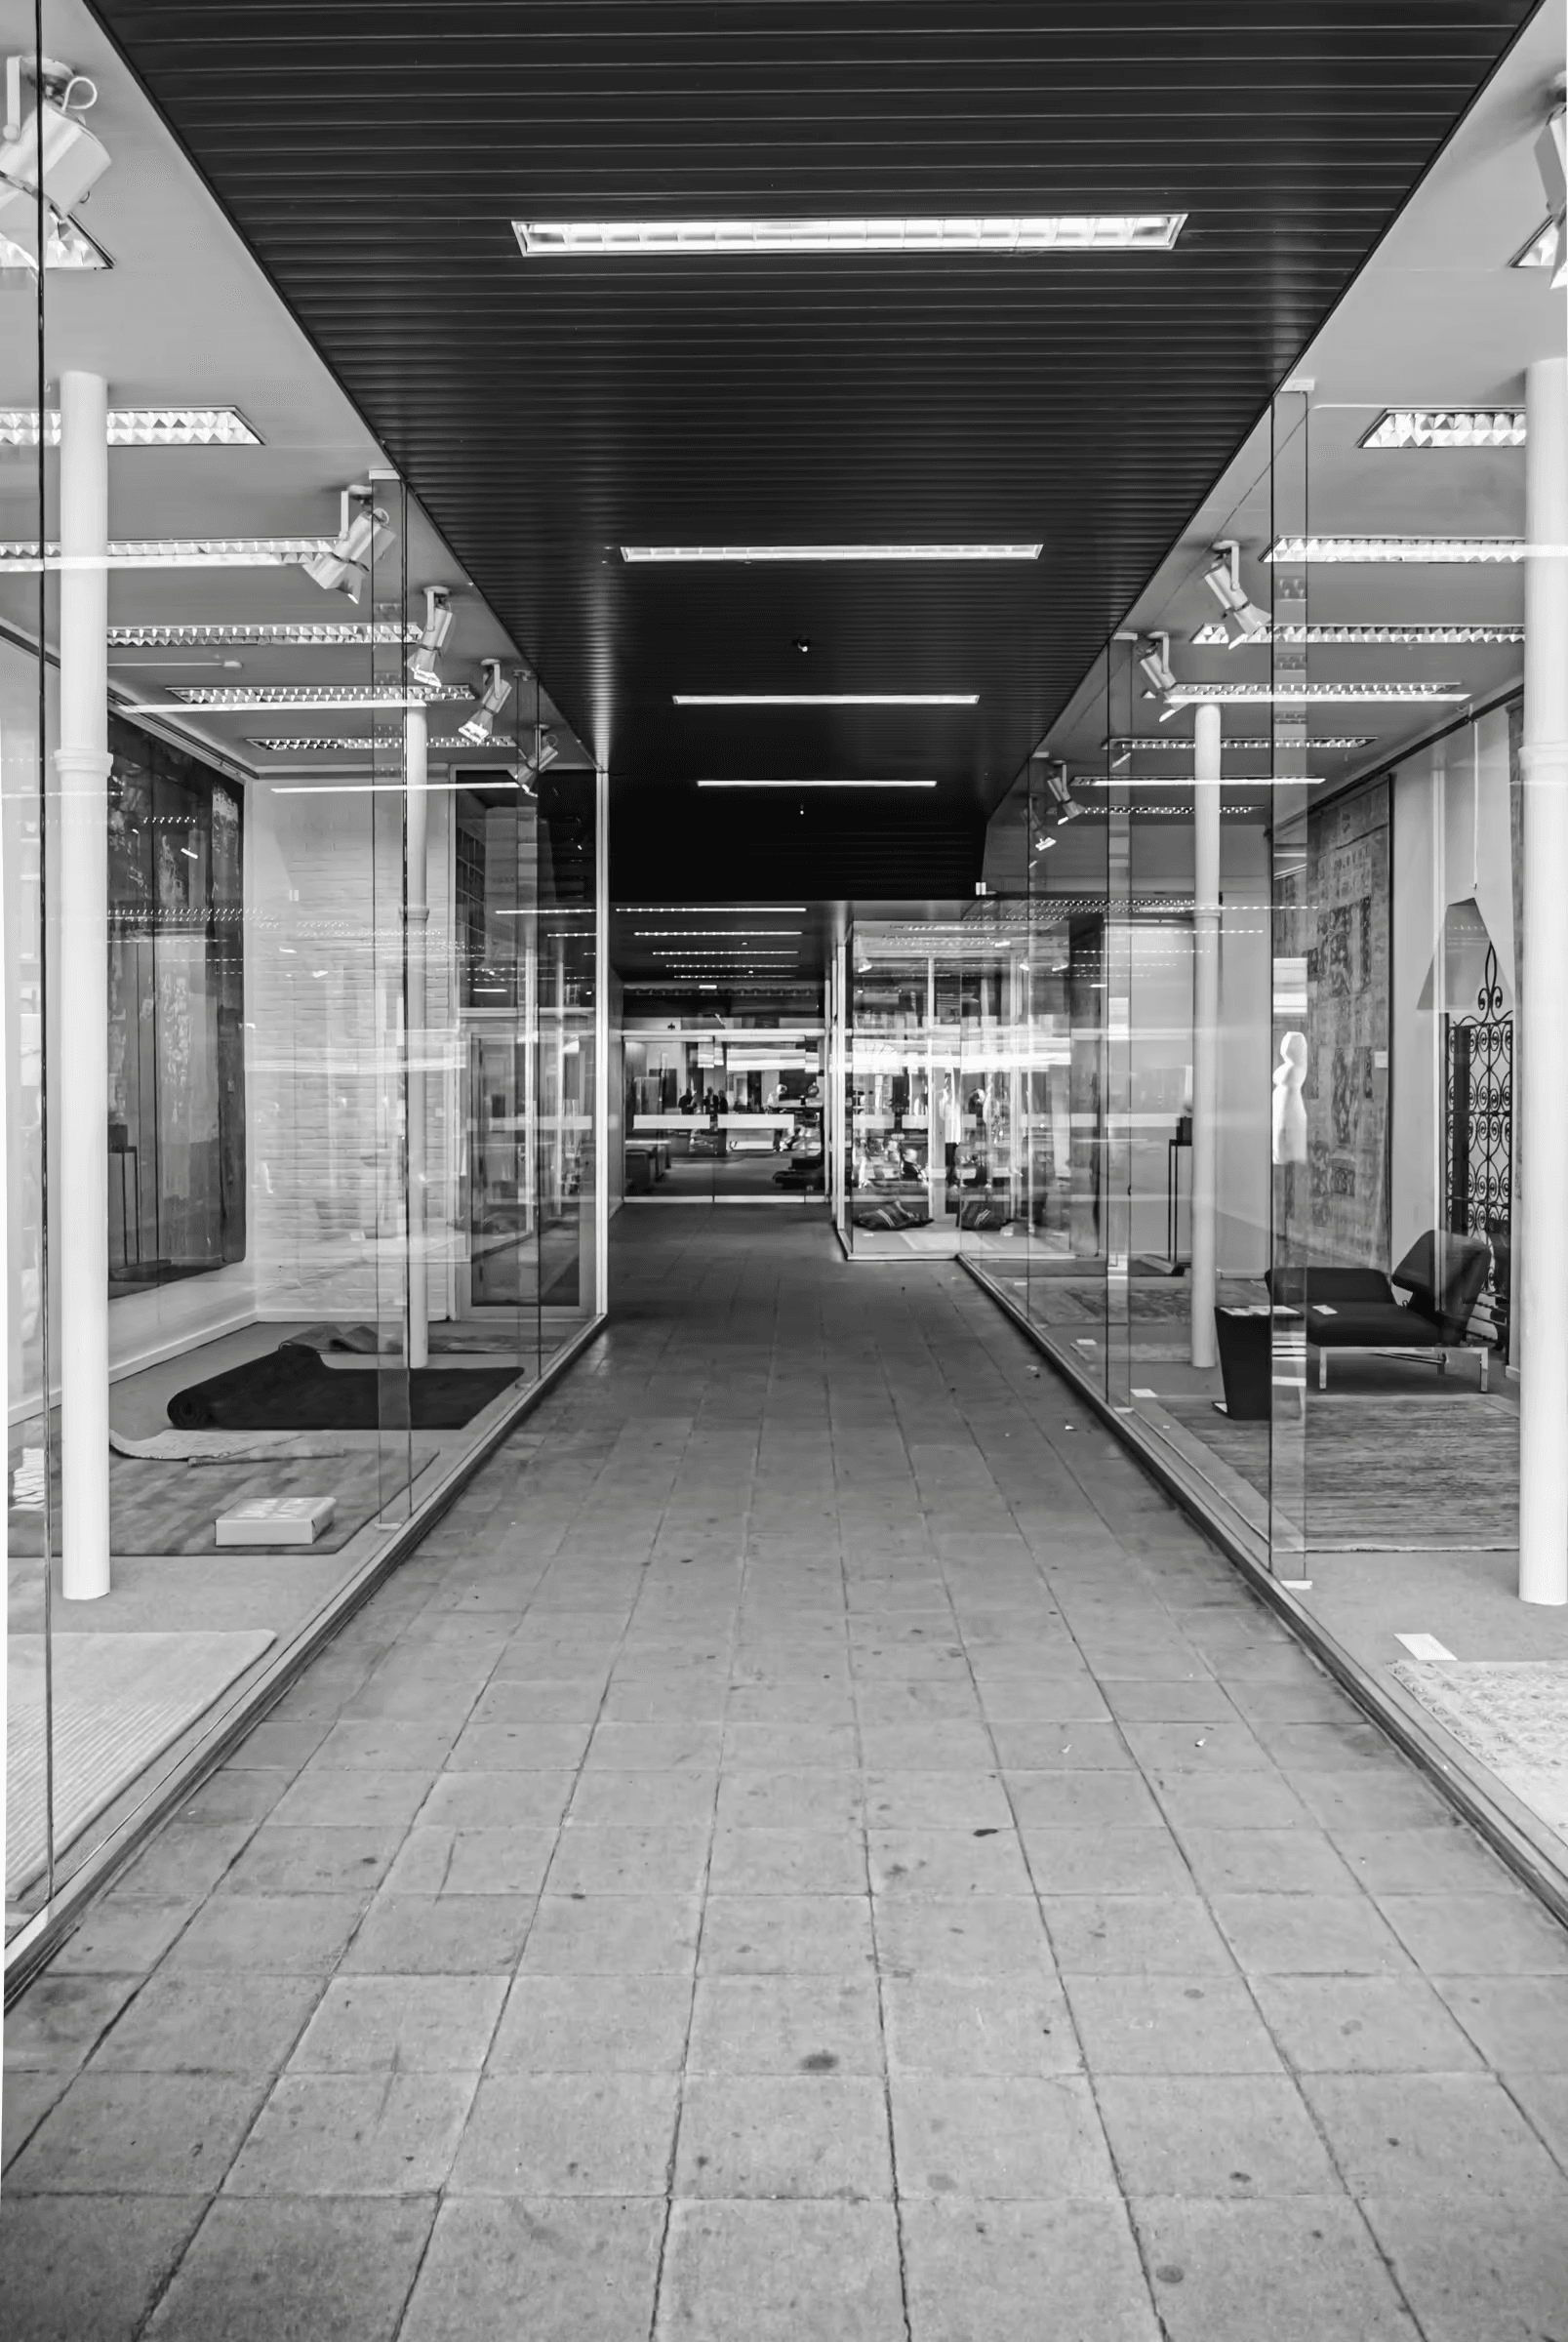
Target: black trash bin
[(1246, 1361)]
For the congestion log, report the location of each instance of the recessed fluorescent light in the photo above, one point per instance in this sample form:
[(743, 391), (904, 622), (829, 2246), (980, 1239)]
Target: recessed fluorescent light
[(226, 695), (1542, 250), (174, 552), (1179, 743), (826, 699), (799, 785), (1396, 549), (1447, 427), (629, 239), (372, 789), (65, 246), (829, 553), (1437, 635), (293, 634), (1186, 781), (698, 935), (702, 910), (139, 426), (1186, 695)]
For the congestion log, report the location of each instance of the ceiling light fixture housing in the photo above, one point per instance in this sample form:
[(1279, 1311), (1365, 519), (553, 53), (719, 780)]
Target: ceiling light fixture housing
[(139, 426), (1188, 695), (170, 552), (492, 699), (364, 531), (1155, 661), (826, 699), (1446, 427), (1243, 620), (750, 554), (1396, 550), (1167, 742), (799, 785), (1436, 634), (640, 239), (310, 695), (47, 150), (330, 635), (423, 668)]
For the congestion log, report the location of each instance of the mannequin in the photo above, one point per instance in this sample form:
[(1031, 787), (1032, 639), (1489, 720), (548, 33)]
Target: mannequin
[(1290, 1114)]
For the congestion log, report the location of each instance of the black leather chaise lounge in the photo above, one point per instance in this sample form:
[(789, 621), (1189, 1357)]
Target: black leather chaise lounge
[(1359, 1308)]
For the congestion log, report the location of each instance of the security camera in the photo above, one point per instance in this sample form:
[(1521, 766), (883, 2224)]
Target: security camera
[(362, 533), (47, 148)]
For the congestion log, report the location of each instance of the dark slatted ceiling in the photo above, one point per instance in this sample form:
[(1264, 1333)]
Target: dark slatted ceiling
[(376, 155)]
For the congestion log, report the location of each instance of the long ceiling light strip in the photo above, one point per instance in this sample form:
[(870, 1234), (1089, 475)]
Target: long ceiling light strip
[(706, 909), (319, 745), (1187, 781), (826, 699), (800, 784), (139, 426), (171, 552), (702, 935), (1180, 744), (291, 634), (1396, 550), (637, 239), (1447, 427), (829, 553), (376, 789), (1188, 695), (237, 697), (1445, 635)]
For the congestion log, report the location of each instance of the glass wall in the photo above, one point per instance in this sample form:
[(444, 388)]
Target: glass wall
[(725, 1111), (300, 876)]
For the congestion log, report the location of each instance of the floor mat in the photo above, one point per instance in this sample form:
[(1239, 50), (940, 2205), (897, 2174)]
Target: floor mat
[(1419, 1475), (1512, 1714), (118, 1701), (292, 1390), (171, 1508)]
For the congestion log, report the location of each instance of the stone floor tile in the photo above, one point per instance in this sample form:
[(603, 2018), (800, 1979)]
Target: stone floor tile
[(138, 2134), (386, 1743), (1424, 1862), (988, 2272), (629, 1798), (568, 2134), (1200, 2024), (1409, 2134), (787, 1748), (497, 1800), (441, 1935), (613, 1935), (978, 2025), (1478, 1935), (519, 1748), (1134, 1935), (1212, 2135), (509, 1861), (1475, 2268), (354, 2134), (776, 2023), (266, 2268), (207, 2024), (817, 2134), (123, 1935), (26, 2099), (787, 1862), (1061, 1748), (1398, 1799), (1307, 2268), (927, 1747), (951, 1801), (1308, 1935), (782, 2272), (946, 1863), (1005, 2136), (604, 1858), (60, 2020), (561, 2268), (1275, 1862), (592, 2024), (1107, 1862), (976, 1935), (1262, 1800), (187, 1859), (329, 1797), (273, 1935), (1363, 2025), (796, 1935), (1514, 2021), (280, 1861), (401, 2025), (70, 2278)]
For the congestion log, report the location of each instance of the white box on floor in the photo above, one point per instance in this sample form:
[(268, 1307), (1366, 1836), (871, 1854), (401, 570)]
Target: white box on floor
[(277, 1520)]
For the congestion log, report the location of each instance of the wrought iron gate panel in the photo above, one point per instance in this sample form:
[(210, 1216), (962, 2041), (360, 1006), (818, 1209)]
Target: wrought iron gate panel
[(1478, 1133)]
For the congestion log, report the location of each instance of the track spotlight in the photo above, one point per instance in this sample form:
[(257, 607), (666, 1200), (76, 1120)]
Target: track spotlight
[(423, 668), (47, 147), (497, 692), (1245, 620), (1155, 663), (1552, 162), (362, 532)]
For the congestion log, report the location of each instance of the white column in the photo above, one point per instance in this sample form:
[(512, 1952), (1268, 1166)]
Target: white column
[(417, 915), (1205, 1023), (601, 1039), (81, 1088), (1539, 1278)]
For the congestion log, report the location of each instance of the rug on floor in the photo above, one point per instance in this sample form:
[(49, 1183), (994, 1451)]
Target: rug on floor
[(118, 1702), (1513, 1715), (171, 1508), (292, 1388)]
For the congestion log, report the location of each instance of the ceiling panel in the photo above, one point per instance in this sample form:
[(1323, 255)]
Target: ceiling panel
[(547, 411)]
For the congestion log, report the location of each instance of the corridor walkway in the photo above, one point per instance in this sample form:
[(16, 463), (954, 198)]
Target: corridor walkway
[(813, 1847)]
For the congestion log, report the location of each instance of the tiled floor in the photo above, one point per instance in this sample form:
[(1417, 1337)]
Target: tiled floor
[(814, 1846)]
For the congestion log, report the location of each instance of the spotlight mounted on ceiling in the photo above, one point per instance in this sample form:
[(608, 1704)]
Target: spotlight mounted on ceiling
[(1243, 620), (362, 532), (528, 769), (422, 667), (1155, 663), (497, 692), (47, 148)]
